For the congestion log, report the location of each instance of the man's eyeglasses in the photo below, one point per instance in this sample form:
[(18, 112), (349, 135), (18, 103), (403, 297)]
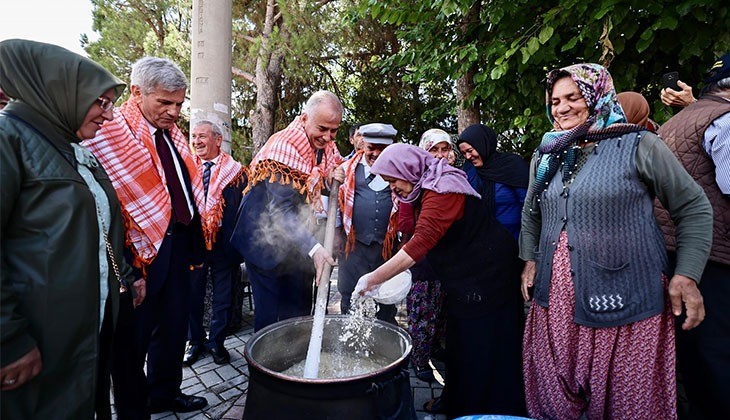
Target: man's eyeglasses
[(106, 104)]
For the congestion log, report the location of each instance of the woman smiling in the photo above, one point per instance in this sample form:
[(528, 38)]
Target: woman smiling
[(599, 339), (476, 259)]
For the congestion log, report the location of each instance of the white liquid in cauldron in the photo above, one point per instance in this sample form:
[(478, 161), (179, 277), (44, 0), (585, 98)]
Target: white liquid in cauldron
[(338, 365), (356, 356)]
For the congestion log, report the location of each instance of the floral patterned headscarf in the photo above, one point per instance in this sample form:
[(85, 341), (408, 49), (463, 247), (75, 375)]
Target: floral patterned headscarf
[(433, 137), (606, 119)]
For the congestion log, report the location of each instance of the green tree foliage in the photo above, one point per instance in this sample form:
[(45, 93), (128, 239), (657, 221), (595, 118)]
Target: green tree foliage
[(398, 61), (372, 92), (131, 29), (515, 42)]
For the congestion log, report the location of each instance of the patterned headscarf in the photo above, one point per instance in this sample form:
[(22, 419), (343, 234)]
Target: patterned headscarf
[(416, 166), (606, 119), (433, 137)]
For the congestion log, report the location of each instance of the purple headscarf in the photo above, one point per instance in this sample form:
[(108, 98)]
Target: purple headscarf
[(418, 167)]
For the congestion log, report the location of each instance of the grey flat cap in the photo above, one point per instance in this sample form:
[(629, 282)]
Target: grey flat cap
[(377, 133)]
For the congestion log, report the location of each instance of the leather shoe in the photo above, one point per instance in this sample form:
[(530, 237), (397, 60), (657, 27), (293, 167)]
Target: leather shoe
[(180, 404), (424, 374), (193, 353), (220, 354)]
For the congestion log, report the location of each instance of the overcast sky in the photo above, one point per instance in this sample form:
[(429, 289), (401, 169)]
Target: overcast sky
[(59, 22)]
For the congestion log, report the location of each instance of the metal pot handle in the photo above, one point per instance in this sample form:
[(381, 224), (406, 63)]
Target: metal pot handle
[(377, 390)]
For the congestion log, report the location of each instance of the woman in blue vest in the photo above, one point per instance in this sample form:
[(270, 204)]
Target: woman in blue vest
[(599, 338)]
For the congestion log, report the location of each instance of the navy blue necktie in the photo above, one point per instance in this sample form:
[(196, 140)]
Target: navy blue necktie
[(206, 177), (180, 210)]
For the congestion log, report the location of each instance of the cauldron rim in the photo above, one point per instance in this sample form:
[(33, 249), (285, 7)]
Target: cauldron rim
[(253, 363)]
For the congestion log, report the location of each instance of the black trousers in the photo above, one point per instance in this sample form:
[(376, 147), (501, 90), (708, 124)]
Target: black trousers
[(279, 295), (222, 278), (362, 260), (703, 353), (156, 331)]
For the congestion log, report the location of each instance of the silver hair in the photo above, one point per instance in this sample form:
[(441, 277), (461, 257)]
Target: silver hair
[(213, 127), (321, 97), (152, 73)]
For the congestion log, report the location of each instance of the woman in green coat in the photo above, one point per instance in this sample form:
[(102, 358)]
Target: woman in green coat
[(62, 234)]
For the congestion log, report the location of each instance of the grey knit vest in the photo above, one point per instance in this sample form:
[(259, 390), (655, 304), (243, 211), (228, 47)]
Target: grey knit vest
[(616, 249), (371, 210)]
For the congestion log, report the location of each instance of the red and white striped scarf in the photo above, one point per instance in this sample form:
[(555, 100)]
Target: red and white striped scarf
[(289, 156), (347, 204), (126, 149), (225, 172)]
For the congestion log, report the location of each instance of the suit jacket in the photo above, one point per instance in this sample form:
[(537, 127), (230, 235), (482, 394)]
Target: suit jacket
[(271, 229), (194, 250), (223, 251)]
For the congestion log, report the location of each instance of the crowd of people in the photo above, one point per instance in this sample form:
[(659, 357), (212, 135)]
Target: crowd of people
[(113, 223)]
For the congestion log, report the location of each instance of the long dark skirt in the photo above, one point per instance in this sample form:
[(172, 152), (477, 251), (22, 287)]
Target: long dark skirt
[(484, 363)]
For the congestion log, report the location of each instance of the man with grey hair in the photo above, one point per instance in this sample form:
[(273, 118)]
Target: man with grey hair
[(155, 177), (223, 183), (273, 232), (699, 136)]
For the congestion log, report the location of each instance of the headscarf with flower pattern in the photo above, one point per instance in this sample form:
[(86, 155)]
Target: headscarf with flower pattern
[(606, 119)]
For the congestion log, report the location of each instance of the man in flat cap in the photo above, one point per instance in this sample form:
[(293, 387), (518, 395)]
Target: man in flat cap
[(699, 136), (368, 215)]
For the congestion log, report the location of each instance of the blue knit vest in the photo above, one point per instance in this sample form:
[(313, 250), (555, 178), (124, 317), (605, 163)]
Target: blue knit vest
[(616, 249)]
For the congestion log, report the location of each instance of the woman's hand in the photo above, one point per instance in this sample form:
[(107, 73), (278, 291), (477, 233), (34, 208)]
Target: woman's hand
[(19, 372), (684, 289), (364, 286), (528, 279)]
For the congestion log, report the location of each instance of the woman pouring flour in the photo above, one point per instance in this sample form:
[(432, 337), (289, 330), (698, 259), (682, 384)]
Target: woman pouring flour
[(470, 252)]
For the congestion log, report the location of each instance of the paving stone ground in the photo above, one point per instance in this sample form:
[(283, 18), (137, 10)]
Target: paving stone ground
[(225, 386)]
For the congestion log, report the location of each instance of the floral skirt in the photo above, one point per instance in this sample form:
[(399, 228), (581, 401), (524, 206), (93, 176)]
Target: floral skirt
[(425, 305), (625, 372)]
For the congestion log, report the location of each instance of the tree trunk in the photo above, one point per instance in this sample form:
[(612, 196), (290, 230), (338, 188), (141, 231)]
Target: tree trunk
[(468, 114), (268, 80)]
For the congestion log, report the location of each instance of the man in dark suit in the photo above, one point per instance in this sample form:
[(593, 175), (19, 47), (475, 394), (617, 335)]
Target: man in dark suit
[(273, 231), (154, 175), (223, 183)]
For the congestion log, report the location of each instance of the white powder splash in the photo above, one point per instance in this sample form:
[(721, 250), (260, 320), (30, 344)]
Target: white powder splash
[(358, 326)]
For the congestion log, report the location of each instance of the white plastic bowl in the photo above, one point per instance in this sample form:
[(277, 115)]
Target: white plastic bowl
[(394, 290)]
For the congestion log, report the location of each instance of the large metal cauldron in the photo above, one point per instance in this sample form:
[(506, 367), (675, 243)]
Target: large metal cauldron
[(382, 394)]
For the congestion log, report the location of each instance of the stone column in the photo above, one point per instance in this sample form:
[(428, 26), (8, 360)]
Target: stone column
[(210, 65)]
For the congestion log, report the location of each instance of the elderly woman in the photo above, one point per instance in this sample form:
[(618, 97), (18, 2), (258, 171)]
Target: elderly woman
[(599, 339), (476, 259), (425, 301), (62, 234), (502, 177)]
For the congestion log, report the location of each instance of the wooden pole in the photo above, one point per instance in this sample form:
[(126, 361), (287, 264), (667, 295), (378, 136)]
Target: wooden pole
[(311, 366)]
